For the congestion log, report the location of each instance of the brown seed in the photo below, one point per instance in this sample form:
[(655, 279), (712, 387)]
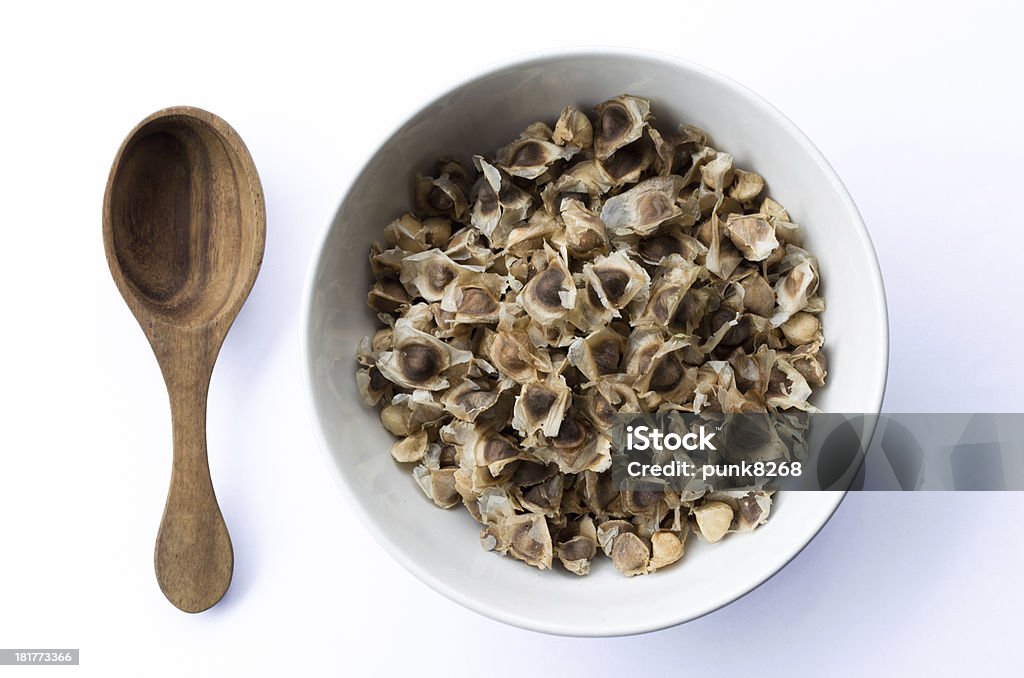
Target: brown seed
[(658, 247), (439, 276), (498, 449), (476, 301), (615, 122), (549, 283), (377, 380), (420, 362), (439, 200), (570, 434), (527, 155), (537, 399), (614, 283), (666, 374), (606, 356), (654, 207)]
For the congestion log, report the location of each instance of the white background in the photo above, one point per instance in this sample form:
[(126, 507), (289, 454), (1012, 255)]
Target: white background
[(917, 106)]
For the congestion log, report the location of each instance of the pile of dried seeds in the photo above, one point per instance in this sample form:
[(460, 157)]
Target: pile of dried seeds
[(598, 267)]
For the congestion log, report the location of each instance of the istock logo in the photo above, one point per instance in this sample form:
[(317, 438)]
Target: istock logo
[(643, 438)]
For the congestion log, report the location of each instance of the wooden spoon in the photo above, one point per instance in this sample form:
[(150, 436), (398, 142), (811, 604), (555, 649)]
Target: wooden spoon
[(184, 226)]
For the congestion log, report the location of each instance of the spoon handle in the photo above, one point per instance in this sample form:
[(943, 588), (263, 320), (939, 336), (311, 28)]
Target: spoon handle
[(193, 559)]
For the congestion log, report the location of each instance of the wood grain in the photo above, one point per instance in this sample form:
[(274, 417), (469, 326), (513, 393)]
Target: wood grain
[(184, 227)]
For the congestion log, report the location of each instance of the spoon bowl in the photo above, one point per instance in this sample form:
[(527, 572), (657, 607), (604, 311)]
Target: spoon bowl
[(178, 215), (184, 227)]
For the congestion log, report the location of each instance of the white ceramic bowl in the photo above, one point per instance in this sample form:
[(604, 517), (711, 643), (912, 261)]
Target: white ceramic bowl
[(441, 547)]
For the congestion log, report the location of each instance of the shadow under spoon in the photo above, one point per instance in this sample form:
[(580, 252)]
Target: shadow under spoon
[(184, 226)]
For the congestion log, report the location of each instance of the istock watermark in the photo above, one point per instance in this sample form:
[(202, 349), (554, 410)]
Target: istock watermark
[(647, 438), (652, 439), (712, 472), (795, 450)]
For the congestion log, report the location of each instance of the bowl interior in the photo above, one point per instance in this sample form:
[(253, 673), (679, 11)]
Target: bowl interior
[(441, 547)]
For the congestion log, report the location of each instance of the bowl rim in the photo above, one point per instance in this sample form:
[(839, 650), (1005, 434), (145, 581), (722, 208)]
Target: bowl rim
[(875, 287)]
